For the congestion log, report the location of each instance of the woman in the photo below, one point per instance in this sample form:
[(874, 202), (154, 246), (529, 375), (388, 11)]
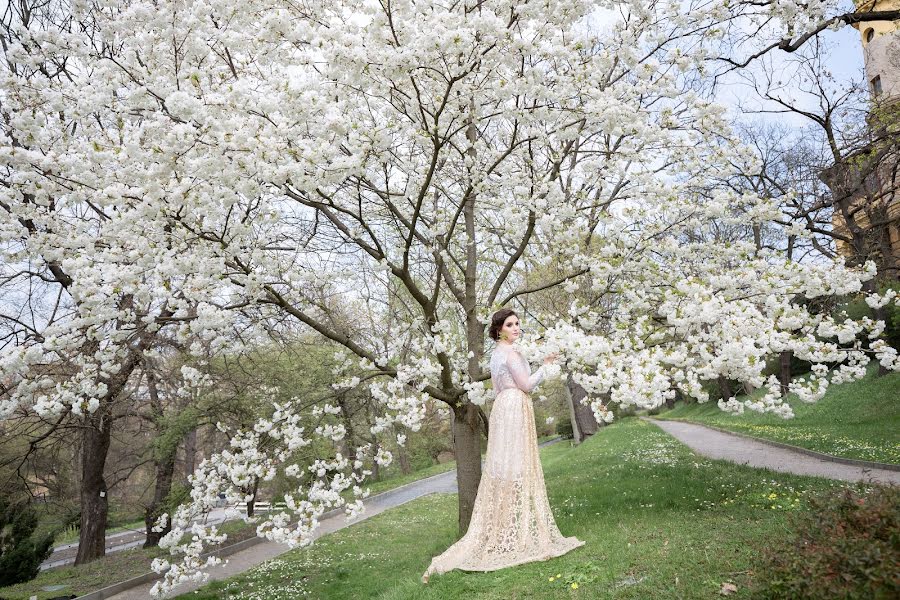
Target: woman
[(511, 521)]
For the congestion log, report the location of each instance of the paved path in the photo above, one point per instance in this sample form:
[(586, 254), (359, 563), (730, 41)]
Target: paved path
[(716, 444), (259, 553), (123, 540)]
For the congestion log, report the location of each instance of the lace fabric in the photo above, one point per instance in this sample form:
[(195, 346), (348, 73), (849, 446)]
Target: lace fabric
[(509, 369), (511, 520)]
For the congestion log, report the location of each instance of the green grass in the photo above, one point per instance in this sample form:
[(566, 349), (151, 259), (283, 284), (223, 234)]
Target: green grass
[(860, 420), (376, 487), (119, 566), (115, 567), (112, 568), (658, 522)]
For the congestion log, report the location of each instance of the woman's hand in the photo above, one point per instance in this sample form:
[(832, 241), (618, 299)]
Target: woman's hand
[(550, 358)]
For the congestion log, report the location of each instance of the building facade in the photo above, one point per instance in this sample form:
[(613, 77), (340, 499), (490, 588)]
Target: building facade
[(881, 49), (865, 184)]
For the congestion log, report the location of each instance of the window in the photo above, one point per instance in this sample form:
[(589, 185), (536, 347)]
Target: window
[(876, 86), (869, 35)]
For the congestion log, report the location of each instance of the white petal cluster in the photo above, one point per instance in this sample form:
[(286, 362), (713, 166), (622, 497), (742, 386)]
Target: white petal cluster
[(260, 454), (288, 154)]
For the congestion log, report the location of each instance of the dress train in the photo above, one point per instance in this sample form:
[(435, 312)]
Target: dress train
[(511, 520)]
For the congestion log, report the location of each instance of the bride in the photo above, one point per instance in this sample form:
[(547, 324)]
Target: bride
[(511, 521)]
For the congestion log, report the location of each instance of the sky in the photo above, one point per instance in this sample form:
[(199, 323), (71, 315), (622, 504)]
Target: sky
[(844, 60)]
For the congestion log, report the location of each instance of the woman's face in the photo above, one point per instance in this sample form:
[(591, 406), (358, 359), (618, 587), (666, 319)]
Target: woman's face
[(510, 329)]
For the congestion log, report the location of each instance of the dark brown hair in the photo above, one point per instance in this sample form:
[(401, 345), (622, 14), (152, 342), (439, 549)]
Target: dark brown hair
[(497, 320)]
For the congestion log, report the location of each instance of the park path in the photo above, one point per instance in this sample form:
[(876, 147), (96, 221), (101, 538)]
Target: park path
[(65, 554), (263, 551), (744, 451)]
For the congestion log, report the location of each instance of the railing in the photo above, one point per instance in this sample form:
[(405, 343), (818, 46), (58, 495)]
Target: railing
[(261, 506)]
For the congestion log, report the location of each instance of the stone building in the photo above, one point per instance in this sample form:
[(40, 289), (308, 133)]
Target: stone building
[(881, 48), (865, 182)]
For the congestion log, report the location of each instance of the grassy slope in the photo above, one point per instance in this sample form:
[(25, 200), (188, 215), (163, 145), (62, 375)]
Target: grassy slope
[(855, 420), (659, 522), (119, 566), (113, 568)]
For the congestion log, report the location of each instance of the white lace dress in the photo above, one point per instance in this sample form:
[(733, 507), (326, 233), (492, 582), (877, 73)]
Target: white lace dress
[(511, 521)]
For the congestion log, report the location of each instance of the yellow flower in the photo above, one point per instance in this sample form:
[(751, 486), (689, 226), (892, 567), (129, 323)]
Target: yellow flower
[(575, 586), (558, 575), (551, 579)]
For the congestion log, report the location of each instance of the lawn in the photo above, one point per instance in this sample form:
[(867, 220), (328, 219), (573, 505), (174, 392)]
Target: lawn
[(112, 568), (853, 420), (119, 566), (659, 522)]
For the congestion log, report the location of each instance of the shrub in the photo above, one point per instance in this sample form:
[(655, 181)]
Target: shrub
[(564, 428), (847, 546), (21, 554)]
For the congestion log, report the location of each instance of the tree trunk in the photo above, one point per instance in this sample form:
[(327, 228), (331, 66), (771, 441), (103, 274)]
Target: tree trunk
[(570, 400), (725, 387), (349, 440), (403, 458), (584, 414), (373, 439), (785, 375), (670, 402), (584, 424), (467, 447), (886, 260), (95, 440), (165, 470), (251, 503), (164, 460), (190, 452)]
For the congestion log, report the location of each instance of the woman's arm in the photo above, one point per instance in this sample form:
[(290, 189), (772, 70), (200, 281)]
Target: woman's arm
[(518, 368)]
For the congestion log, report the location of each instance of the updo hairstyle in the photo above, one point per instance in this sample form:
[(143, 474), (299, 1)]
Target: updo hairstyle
[(497, 320)]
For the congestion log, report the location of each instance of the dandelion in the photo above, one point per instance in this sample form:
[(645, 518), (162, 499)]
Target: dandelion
[(575, 585)]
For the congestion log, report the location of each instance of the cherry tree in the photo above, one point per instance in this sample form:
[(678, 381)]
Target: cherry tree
[(194, 158)]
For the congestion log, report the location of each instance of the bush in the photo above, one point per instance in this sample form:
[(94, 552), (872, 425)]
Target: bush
[(847, 546), (564, 428), (20, 554)]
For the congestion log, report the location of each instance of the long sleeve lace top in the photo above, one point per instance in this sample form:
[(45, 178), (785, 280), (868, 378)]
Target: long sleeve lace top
[(509, 369)]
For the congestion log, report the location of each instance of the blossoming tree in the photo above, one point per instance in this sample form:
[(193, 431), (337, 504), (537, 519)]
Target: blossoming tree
[(233, 153)]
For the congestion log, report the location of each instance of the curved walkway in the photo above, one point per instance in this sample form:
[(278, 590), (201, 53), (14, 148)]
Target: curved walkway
[(756, 453)]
